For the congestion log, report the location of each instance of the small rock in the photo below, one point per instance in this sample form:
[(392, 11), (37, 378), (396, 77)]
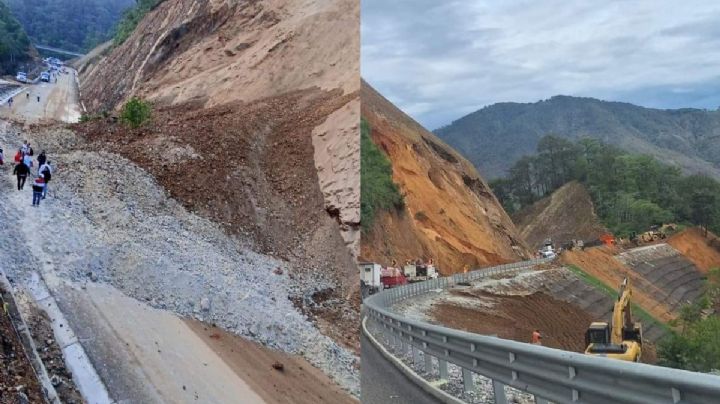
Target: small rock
[(278, 366), (205, 304)]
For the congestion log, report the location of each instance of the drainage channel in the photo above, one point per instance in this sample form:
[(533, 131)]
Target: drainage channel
[(23, 333), (84, 375)]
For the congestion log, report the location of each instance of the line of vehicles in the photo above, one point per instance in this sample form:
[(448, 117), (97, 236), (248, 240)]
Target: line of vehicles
[(374, 277), (54, 66)]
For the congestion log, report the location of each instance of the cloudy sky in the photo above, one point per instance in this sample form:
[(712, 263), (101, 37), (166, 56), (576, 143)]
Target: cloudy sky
[(439, 60)]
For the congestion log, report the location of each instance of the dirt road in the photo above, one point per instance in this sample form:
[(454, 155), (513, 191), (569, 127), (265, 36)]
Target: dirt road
[(58, 101)]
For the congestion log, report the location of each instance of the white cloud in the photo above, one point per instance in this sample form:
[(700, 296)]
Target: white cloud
[(441, 60)]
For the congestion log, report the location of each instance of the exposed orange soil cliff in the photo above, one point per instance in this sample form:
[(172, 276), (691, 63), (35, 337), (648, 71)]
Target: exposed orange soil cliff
[(703, 251), (565, 215), (450, 213)]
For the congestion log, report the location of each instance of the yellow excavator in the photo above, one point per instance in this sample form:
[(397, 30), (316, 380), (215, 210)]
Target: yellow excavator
[(620, 340)]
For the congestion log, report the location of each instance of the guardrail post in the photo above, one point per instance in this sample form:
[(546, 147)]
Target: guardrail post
[(428, 363), (499, 390), (468, 384), (442, 365), (416, 356), (540, 400)]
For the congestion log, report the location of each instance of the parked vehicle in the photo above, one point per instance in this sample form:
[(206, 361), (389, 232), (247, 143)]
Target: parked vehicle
[(21, 77)]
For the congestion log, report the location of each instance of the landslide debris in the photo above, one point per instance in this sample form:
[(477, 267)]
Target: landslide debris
[(703, 251), (450, 213), (565, 215), (255, 126), (152, 248), (18, 382)]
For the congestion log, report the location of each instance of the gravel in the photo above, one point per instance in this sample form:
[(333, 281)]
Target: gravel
[(107, 220)]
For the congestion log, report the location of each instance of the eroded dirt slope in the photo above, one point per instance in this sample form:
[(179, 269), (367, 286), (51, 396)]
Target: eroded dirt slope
[(221, 55), (566, 214), (450, 213), (703, 251)]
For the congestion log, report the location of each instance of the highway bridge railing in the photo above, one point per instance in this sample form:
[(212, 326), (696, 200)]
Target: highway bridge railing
[(551, 375)]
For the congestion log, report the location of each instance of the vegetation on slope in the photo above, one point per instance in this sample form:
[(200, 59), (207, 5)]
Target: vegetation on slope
[(697, 346), (497, 136), (377, 190), (131, 18), (74, 25), (630, 192), (14, 43)]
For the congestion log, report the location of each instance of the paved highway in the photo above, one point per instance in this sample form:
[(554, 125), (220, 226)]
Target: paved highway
[(381, 382)]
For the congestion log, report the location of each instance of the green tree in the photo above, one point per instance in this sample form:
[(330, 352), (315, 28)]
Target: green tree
[(135, 112), (377, 190)]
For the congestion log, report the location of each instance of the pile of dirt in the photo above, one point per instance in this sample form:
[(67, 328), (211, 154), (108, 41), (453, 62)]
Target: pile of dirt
[(450, 213), (554, 301), (514, 317), (18, 383), (703, 251), (567, 214), (248, 167)]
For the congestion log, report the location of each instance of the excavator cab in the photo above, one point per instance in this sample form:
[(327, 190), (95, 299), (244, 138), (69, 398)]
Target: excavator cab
[(597, 333)]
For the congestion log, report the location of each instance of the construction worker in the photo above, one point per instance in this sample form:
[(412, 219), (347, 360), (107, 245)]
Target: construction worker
[(536, 337)]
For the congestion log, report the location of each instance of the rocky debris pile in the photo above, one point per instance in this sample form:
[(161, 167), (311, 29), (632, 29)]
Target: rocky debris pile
[(18, 382), (250, 168), (107, 220)]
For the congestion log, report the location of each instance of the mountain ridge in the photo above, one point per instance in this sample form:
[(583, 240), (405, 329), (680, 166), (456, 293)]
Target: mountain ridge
[(496, 136)]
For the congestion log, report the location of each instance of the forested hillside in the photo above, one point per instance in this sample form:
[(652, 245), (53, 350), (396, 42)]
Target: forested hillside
[(75, 25), (497, 136), (630, 192), (14, 44)]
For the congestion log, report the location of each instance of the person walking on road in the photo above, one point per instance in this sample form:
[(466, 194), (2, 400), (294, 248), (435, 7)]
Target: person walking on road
[(38, 186), (27, 160), (21, 171), (2, 157), (10, 102), (536, 337), (24, 147), (46, 172), (18, 156), (41, 158)]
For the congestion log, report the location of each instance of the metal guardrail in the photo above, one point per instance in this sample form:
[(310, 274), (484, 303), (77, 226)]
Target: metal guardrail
[(551, 375)]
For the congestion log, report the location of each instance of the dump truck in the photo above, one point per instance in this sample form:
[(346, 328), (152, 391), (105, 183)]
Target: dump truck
[(622, 338)]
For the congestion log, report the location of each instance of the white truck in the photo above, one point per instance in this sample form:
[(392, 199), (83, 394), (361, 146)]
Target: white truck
[(370, 278), (420, 272), (21, 77)]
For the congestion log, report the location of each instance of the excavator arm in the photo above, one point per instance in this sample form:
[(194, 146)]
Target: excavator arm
[(622, 317)]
